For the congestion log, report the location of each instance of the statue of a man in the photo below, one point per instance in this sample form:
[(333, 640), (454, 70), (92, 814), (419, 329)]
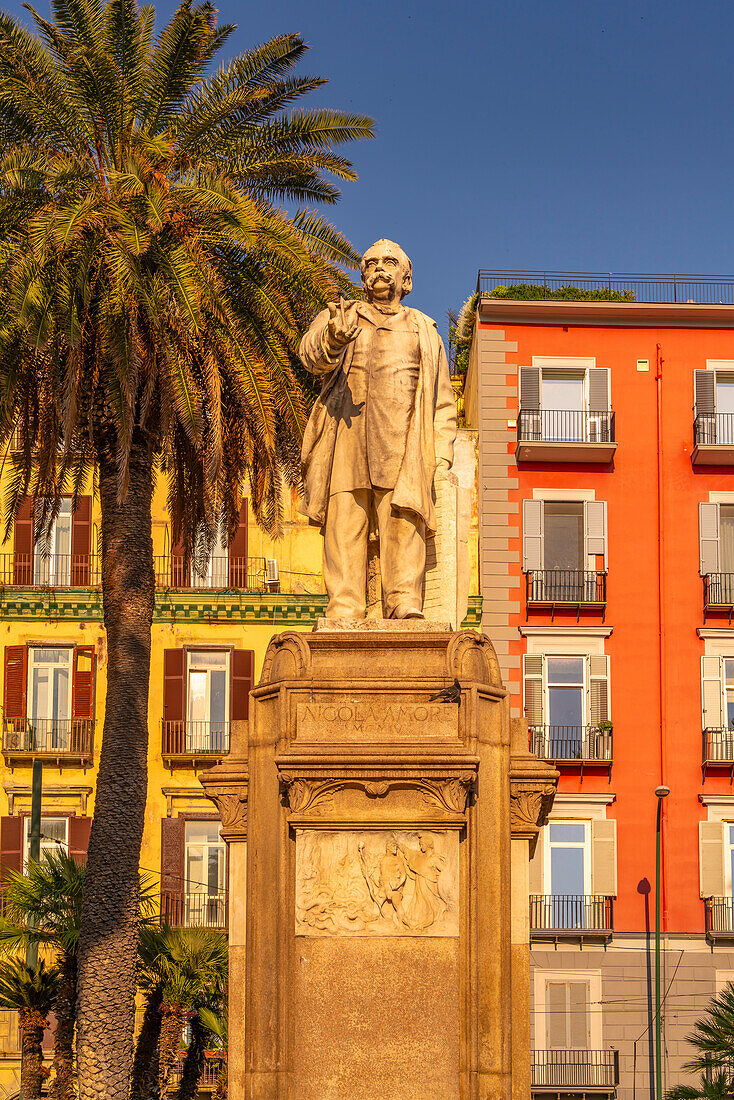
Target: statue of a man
[(382, 428)]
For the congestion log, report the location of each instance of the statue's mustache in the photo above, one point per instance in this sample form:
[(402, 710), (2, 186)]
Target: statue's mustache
[(380, 277)]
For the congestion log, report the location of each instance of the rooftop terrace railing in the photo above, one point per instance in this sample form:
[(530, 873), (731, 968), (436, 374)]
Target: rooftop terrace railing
[(678, 289)]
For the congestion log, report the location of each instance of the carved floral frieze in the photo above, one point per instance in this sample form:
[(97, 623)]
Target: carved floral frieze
[(314, 795)]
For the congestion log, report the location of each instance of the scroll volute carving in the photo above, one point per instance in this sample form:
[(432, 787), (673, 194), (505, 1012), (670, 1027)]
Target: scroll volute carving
[(471, 656), (288, 657), (530, 804)]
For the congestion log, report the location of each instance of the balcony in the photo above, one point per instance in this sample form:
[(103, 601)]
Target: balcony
[(208, 1079), (719, 919), (195, 909), (191, 742), (564, 588), (577, 917), (718, 593), (575, 1071), (61, 740), (84, 571), (713, 439), (718, 749), (565, 435), (574, 745)]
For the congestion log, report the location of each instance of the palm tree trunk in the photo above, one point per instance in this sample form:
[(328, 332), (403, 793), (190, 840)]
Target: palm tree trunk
[(65, 1009), (145, 1066), (111, 908), (170, 1042), (193, 1062), (32, 1073)]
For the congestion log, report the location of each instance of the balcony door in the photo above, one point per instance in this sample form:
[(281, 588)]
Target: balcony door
[(208, 701), (565, 707), (49, 692), (210, 571), (563, 405), (205, 874), (724, 408), (568, 874), (52, 555)]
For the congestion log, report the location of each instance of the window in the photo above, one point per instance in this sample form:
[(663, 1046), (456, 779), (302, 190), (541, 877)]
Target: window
[(567, 705), (717, 705), (714, 405), (205, 858), (207, 705), (54, 836), (49, 694), (568, 860), (52, 555), (567, 1014), (211, 571), (716, 551), (565, 549), (565, 400)]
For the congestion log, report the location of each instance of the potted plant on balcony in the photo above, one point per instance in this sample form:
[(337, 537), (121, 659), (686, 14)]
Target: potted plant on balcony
[(602, 739)]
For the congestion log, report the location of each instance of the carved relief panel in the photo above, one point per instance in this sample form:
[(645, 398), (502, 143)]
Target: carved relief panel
[(377, 882)]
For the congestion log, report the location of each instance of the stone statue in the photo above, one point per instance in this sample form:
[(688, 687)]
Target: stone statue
[(381, 430)]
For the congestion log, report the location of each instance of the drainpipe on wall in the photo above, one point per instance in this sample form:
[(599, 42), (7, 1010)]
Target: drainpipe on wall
[(662, 701)]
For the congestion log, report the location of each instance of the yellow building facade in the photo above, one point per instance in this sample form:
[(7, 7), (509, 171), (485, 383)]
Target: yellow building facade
[(210, 634)]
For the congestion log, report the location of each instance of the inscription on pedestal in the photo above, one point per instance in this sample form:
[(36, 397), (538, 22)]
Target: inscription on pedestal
[(376, 719), (377, 882)]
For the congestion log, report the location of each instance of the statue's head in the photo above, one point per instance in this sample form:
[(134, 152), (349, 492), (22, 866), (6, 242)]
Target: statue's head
[(391, 846), (425, 842), (385, 268)]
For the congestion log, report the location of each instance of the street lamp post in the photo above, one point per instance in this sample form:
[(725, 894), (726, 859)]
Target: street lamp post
[(660, 794)]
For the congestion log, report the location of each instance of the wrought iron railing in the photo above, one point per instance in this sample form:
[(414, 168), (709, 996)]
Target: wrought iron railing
[(195, 909), (208, 1078), (575, 1069), (186, 738), (84, 571), (570, 913), (564, 426), (701, 289), (718, 745), (714, 428), (719, 915), (570, 744), (54, 736), (571, 586), (222, 572), (718, 590)]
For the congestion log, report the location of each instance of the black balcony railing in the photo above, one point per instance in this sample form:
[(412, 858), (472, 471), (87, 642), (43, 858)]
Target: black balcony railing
[(718, 745), (49, 736), (564, 426), (84, 571), (719, 917), (701, 289), (195, 909), (575, 1069), (718, 590), (571, 586), (222, 572), (714, 428), (208, 1078), (195, 738), (570, 913), (572, 744)]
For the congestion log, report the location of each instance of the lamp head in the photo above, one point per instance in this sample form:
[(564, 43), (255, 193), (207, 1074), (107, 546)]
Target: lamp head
[(662, 792)]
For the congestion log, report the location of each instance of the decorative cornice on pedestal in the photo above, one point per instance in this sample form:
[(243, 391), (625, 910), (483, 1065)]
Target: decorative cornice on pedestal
[(307, 790), (227, 787)]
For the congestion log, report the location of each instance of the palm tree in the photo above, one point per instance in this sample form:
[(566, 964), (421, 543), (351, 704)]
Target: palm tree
[(713, 1040), (43, 907), (151, 300), (182, 971), (32, 994), (217, 1025)]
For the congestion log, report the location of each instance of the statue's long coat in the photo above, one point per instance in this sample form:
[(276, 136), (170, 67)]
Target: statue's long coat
[(431, 430)]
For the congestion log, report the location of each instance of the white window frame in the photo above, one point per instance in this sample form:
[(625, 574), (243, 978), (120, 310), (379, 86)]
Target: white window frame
[(547, 883), (192, 667), (203, 887), (585, 686), (49, 846), (540, 979), (33, 664), (46, 568)]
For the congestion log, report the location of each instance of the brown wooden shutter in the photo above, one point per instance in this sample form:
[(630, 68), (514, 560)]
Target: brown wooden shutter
[(180, 570), (174, 695), (16, 680), (237, 552), (173, 871), (23, 543), (79, 830), (11, 845), (82, 699), (243, 671), (81, 542)]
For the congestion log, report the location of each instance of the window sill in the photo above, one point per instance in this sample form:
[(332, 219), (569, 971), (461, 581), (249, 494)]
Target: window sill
[(543, 450)]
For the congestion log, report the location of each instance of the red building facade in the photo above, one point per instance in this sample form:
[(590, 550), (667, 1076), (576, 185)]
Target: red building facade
[(606, 496)]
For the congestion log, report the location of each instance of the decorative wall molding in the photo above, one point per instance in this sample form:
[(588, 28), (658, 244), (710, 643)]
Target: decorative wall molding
[(312, 794)]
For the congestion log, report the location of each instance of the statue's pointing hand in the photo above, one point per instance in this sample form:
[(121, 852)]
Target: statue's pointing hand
[(343, 323)]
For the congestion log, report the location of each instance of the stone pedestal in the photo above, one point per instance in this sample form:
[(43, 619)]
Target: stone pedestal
[(385, 956)]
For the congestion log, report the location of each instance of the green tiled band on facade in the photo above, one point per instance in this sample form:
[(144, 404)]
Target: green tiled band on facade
[(83, 605)]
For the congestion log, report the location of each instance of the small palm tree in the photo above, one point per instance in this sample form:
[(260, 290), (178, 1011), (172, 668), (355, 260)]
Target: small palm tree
[(217, 1025), (32, 994), (181, 971), (713, 1039)]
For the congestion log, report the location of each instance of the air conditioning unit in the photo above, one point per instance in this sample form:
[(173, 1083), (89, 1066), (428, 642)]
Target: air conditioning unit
[(272, 575), (596, 432)]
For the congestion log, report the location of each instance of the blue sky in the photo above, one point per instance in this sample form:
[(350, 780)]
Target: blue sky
[(550, 134)]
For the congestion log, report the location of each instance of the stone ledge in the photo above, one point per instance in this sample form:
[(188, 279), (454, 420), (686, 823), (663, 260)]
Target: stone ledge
[(383, 626)]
